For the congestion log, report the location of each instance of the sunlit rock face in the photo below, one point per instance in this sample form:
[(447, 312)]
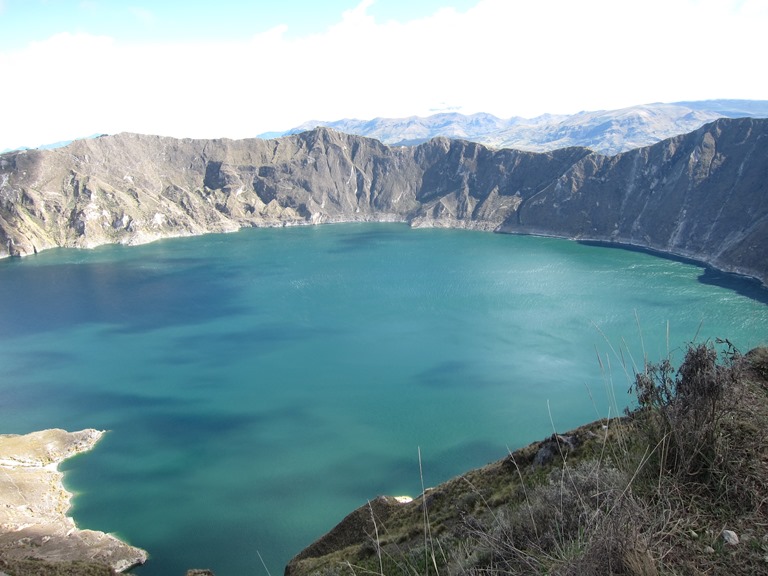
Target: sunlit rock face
[(699, 195)]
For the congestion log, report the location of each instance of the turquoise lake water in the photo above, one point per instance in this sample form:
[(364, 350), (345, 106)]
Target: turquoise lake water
[(259, 386)]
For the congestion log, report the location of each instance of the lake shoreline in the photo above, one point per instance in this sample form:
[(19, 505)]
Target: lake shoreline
[(449, 223), (34, 504)]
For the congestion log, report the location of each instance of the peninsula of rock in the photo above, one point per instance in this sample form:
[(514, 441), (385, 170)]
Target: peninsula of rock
[(34, 504), (700, 195)]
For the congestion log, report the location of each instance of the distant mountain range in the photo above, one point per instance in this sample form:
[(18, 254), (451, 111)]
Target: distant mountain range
[(605, 131)]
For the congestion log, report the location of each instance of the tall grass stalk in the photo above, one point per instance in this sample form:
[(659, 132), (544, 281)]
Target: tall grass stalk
[(429, 550), (378, 540)]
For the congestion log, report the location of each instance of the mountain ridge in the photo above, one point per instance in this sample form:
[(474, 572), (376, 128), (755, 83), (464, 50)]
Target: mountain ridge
[(699, 195), (605, 131)]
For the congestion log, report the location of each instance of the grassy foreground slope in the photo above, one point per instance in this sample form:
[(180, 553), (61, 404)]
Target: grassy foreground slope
[(679, 485)]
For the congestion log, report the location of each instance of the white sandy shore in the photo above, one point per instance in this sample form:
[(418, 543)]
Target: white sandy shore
[(34, 503)]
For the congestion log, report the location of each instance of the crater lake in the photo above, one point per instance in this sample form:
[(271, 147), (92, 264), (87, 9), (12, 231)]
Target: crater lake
[(258, 386)]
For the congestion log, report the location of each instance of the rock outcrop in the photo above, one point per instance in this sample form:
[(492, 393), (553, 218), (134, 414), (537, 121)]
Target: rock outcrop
[(34, 504), (701, 195)]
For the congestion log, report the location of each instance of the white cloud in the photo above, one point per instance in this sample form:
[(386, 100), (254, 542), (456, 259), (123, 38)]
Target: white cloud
[(501, 56)]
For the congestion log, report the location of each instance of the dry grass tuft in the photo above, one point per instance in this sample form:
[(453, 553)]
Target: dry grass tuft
[(643, 495)]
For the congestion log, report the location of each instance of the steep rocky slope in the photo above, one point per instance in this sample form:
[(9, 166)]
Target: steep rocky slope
[(700, 195)]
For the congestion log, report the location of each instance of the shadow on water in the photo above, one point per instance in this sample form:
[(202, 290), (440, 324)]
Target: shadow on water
[(365, 239), (227, 347), (455, 374), (126, 295), (29, 361), (742, 285)]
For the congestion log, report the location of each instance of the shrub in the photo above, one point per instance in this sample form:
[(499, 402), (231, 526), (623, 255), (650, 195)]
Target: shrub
[(758, 363), (582, 521), (692, 418)]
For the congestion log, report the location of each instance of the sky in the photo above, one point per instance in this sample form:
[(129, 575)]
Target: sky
[(236, 69)]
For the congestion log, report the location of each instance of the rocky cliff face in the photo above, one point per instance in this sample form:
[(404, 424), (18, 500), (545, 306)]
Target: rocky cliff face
[(700, 195)]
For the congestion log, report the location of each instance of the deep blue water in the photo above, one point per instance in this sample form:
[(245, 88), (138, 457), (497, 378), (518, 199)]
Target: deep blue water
[(259, 386)]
